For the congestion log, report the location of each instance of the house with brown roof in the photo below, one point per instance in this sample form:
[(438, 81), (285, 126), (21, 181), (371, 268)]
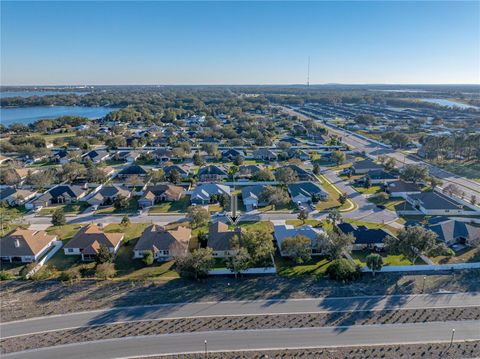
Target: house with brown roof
[(161, 193), (222, 240), (89, 239), (164, 244), (24, 245)]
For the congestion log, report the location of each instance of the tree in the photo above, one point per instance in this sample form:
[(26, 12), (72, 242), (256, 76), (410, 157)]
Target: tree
[(121, 202), (413, 242), (259, 244), (240, 261), (414, 173), (58, 217), (473, 199), (238, 160), (334, 216), (173, 176), (148, 257), (298, 248), (342, 198), (390, 164), (95, 175), (276, 196), (302, 215), (198, 216), (374, 262), (343, 270), (9, 177), (382, 197), (335, 244), (196, 264), (104, 255), (197, 159), (224, 200), (338, 157), (316, 168), (157, 176), (105, 270), (264, 175), (286, 175), (125, 220), (368, 182), (434, 182), (72, 171)]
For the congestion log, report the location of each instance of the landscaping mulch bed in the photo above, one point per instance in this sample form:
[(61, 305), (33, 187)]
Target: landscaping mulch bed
[(26, 299), (157, 327), (443, 350)]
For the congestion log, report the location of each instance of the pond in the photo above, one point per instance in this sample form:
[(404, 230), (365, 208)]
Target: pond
[(448, 103)]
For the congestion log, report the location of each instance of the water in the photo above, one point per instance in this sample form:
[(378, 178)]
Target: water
[(448, 103), (6, 94), (28, 115)]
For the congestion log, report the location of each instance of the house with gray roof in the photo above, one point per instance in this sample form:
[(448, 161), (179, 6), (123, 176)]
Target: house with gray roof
[(108, 194), (221, 239), (203, 193), (265, 154), (212, 173), (282, 231), (62, 194), (365, 166), (16, 196), (306, 192), (251, 197), (452, 231), (402, 189), (434, 203)]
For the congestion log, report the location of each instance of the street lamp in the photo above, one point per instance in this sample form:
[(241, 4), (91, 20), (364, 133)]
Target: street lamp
[(423, 287), (451, 340), (206, 347)]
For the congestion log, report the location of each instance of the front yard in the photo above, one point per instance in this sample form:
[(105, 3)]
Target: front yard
[(172, 207), (360, 258), (71, 208), (131, 208)]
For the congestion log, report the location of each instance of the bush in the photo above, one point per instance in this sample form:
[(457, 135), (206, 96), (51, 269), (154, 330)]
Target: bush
[(343, 270), (5, 275), (70, 275), (25, 270), (148, 258), (44, 273), (105, 270)]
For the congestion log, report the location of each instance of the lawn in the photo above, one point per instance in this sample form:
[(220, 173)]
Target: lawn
[(253, 226), (131, 208), (131, 231), (359, 257), (466, 255), (65, 232), (214, 208), (369, 190), (287, 268), (71, 208), (172, 207), (298, 222), (332, 201), (290, 206)]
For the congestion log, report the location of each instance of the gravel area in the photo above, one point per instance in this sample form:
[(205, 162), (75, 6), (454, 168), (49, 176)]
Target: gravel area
[(25, 299), (233, 323), (457, 350)]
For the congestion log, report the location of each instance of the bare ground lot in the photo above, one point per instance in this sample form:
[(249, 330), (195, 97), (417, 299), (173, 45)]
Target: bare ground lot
[(186, 325), (25, 299), (457, 350)]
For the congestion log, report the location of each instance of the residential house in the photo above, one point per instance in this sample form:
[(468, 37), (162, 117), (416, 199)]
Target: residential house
[(365, 238), (183, 171), (221, 239), (25, 246), (402, 189), (164, 244), (132, 170), (248, 170), (16, 197), (302, 174), (298, 153), (231, 154), (377, 177), (163, 154), (202, 193), (265, 154), (436, 203), (212, 173), (61, 157), (452, 231), (282, 231), (161, 193), (61, 194), (108, 194), (89, 239), (251, 197), (306, 192), (365, 166), (96, 156)]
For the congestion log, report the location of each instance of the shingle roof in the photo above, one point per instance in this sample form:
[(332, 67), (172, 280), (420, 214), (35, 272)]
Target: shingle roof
[(133, 170), (220, 237), (86, 236), (435, 200), (156, 238), (307, 189), (366, 164), (252, 191), (204, 191), (212, 169), (402, 186), (30, 242), (364, 235), (450, 230)]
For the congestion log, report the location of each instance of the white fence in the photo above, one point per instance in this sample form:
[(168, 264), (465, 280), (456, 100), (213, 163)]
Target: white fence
[(56, 247), (225, 271), (423, 268)]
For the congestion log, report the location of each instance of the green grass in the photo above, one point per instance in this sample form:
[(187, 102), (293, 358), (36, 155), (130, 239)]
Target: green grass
[(465, 255), (316, 266), (71, 208), (131, 231), (468, 169), (359, 257), (370, 190), (172, 207), (290, 206), (253, 226), (131, 208), (298, 222), (332, 201), (214, 208), (65, 232)]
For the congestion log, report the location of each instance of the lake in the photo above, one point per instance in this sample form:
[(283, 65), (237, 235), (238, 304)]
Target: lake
[(5, 94), (28, 115), (448, 103)]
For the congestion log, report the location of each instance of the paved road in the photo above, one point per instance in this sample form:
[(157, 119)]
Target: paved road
[(207, 309), (260, 339), (468, 186)]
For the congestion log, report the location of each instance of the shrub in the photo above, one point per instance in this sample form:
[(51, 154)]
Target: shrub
[(343, 270), (148, 258), (44, 273), (70, 275), (105, 270), (5, 275), (25, 270)]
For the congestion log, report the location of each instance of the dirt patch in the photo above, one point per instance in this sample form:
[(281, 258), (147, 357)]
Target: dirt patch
[(457, 350), (20, 299), (157, 327)]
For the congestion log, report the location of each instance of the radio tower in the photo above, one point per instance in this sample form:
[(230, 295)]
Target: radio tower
[(308, 73)]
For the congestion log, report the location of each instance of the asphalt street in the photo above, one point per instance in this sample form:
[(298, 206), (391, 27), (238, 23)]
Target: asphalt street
[(208, 309), (260, 339)]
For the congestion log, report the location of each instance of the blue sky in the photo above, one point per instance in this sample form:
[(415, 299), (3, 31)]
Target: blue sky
[(239, 42)]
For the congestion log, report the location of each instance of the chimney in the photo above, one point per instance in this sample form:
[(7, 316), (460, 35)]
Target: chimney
[(17, 243)]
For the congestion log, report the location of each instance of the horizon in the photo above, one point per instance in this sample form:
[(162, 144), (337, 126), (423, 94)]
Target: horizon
[(239, 43)]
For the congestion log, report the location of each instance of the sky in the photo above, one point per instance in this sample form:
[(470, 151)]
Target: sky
[(109, 43)]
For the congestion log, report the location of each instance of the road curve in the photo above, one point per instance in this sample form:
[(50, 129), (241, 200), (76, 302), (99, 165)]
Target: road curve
[(225, 308), (260, 339)]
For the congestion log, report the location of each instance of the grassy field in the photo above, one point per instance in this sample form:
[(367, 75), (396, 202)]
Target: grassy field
[(316, 266), (131, 231), (252, 226), (468, 169), (131, 208), (332, 201), (71, 208), (172, 207), (370, 190), (359, 257)]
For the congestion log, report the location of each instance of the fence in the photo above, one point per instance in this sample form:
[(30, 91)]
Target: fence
[(56, 246), (423, 268), (225, 271)]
